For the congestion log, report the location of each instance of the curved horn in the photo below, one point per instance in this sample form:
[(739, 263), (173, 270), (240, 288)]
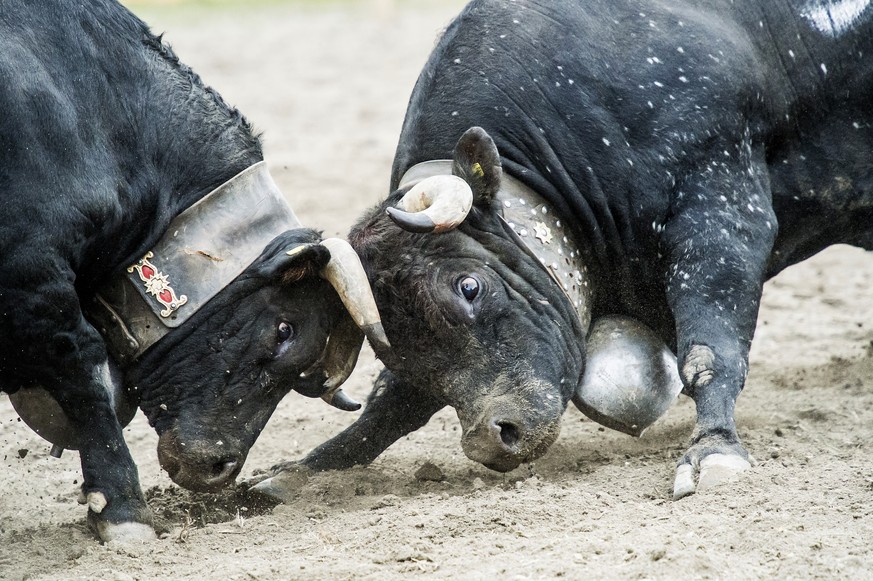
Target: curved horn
[(346, 275), (436, 204), (340, 358), (341, 401)]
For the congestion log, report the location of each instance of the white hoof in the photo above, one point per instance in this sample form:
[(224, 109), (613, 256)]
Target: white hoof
[(284, 487), (126, 532), (683, 485), (273, 488), (717, 469)]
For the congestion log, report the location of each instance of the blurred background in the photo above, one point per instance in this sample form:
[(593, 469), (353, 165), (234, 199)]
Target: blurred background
[(325, 81)]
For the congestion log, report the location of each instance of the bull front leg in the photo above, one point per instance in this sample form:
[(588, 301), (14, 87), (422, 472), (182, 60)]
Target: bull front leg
[(58, 349), (394, 409), (717, 243), (117, 510)]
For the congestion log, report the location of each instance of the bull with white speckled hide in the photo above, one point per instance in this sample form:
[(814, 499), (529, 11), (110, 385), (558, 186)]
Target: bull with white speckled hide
[(687, 150)]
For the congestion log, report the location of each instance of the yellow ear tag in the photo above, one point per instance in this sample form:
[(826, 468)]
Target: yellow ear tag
[(298, 250), (477, 170)]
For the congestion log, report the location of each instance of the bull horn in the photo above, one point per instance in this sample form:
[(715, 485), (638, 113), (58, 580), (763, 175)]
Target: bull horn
[(341, 401), (340, 358), (436, 204), (346, 275)]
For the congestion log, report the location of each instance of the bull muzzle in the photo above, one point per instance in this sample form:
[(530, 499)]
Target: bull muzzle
[(200, 466), (501, 442), (511, 429)]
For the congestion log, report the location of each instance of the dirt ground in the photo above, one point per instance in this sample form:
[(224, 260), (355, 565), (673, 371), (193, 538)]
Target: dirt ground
[(328, 85)]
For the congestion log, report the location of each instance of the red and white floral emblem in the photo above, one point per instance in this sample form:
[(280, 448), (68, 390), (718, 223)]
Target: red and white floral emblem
[(157, 284)]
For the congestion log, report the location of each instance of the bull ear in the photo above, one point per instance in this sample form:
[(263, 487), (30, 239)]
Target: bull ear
[(477, 161), (292, 261)]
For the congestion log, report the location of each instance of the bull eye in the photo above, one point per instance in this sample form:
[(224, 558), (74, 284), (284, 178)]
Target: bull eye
[(469, 288), (284, 332)]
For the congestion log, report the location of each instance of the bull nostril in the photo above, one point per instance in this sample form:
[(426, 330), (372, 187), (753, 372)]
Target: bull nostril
[(224, 469), (508, 433)]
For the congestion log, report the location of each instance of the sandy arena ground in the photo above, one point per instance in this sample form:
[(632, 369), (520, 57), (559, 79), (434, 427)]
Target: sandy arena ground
[(328, 85)]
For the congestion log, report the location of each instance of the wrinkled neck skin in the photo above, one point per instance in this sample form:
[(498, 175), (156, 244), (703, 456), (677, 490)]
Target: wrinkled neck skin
[(618, 260)]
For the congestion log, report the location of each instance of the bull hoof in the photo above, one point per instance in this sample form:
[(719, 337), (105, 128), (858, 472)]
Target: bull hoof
[(126, 532), (284, 486), (714, 470), (137, 529), (718, 469), (683, 484)]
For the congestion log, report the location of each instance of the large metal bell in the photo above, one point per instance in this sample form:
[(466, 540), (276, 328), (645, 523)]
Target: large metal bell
[(42, 413), (631, 377)]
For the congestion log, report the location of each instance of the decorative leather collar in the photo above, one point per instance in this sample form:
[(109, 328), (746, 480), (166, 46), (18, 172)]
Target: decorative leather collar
[(536, 229), (203, 250)]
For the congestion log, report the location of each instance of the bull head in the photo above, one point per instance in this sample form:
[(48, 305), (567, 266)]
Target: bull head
[(500, 316), (323, 379), (474, 318), (210, 386)]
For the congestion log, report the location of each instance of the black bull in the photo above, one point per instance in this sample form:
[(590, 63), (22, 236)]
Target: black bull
[(106, 139), (692, 149)]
